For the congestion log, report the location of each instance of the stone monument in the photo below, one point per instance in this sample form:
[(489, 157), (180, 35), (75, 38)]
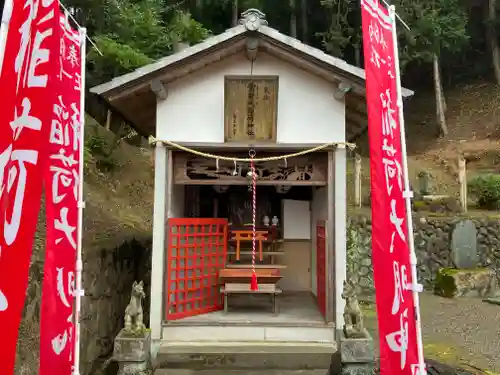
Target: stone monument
[(133, 343), (464, 245), (466, 279), (424, 183), (356, 345)]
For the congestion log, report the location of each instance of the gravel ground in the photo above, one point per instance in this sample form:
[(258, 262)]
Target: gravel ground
[(464, 331), (461, 332)]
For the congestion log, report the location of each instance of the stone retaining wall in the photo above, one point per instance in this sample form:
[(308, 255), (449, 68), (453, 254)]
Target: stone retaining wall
[(108, 282), (107, 279), (432, 246)]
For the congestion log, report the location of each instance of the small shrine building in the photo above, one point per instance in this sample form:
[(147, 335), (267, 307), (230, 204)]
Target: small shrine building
[(249, 88)]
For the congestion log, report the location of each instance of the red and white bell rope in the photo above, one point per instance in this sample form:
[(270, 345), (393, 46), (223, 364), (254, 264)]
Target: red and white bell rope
[(253, 283)]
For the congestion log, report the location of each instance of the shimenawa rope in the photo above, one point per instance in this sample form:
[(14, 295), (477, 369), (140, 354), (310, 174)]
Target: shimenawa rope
[(153, 141), (252, 160)]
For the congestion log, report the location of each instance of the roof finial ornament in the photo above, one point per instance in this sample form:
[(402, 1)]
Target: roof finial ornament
[(253, 19)]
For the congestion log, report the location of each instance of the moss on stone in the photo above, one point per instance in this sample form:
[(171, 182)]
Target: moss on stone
[(138, 334), (454, 271), (369, 310), (444, 285), (442, 351), (448, 271)]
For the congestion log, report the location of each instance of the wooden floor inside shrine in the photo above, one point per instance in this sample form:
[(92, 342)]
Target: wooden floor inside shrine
[(294, 309)]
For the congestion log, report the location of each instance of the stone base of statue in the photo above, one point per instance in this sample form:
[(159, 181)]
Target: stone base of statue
[(132, 352), (357, 354)]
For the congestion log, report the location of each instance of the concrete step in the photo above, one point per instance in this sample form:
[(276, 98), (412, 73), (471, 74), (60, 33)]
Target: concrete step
[(239, 372), (208, 332), (245, 356)]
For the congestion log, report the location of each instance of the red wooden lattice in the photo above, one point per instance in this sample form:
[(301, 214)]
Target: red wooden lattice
[(196, 252), (320, 266)]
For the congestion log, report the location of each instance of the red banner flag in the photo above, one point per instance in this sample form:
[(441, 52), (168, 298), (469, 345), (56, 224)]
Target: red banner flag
[(390, 246), (27, 96), (62, 181)]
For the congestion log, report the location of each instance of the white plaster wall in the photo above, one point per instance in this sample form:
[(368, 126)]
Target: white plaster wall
[(307, 110), (319, 211)]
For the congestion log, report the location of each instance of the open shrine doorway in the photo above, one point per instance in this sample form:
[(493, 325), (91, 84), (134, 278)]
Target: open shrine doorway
[(194, 291)]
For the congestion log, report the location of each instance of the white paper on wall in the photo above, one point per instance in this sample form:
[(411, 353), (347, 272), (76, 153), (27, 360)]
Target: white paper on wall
[(296, 219)]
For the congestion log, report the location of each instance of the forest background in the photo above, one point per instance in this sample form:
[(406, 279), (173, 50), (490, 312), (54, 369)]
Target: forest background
[(450, 42)]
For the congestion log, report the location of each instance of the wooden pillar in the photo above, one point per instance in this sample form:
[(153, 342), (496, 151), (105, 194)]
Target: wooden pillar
[(160, 212), (339, 231), (108, 120), (330, 241), (357, 181), (462, 179)]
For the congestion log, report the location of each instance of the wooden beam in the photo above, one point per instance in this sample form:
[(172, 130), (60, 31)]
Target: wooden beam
[(340, 92), (168, 204), (160, 240), (252, 48), (159, 89), (261, 266), (303, 62), (241, 182), (356, 103), (108, 119), (239, 146), (352, 134), (338, 251), (181, 69), (141, 110), (355, 135), (356, 118)]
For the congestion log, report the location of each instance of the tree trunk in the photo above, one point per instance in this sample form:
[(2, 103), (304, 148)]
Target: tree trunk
[(445, 106), (293, 20), (357, 55), (235, 13), (305, 23), (440, 111), (491, 37)]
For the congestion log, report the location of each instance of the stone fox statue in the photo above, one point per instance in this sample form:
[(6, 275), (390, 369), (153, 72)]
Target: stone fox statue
[(353, 317), (133, 312)]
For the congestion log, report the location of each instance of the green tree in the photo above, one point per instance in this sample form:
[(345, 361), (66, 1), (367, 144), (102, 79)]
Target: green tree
[(342, 32), (437, 28), (131, 34)]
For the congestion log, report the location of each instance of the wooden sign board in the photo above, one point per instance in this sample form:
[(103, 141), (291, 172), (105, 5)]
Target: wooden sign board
[(250, 108)]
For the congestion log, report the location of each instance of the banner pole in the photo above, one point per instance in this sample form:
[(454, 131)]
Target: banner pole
[(408, 195), (4, 29), (81, 206)]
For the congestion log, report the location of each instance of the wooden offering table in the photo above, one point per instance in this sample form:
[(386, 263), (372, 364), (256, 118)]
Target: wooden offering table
[(237, 281), (244, 275)]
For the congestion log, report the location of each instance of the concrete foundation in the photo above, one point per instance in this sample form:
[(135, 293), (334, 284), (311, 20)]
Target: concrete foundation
[(132, 352), (243, 355), (250, 338), (257, 333), (239, 372), (356, 354)]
